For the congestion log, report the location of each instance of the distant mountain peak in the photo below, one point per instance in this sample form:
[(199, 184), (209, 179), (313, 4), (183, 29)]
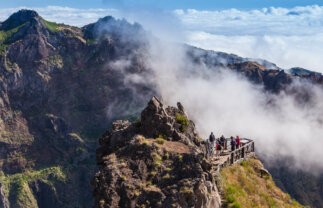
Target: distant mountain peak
[(111, 25), (19, 18)]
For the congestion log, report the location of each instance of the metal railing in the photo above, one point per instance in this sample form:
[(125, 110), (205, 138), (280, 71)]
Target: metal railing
[(245, 151)]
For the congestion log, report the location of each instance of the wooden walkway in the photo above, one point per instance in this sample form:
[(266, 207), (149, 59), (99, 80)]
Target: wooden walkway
[(229, 157)]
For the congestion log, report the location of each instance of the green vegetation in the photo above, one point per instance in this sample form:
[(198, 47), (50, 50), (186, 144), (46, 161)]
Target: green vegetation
[(180, 158), (53, 26), (90, 41), (166, 156), (138, 122), (244, 187), (152, 173), (6, 34), (186, 190), (3, 48), (183, 121), (157, 160), (17, 188), (145, 143), (137, 192), (160, 140), (167, 176)]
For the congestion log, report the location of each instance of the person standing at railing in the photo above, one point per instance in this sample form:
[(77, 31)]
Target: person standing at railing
[(223, 142), (233, 144), (211, 144), (218, 148), (238, 143)]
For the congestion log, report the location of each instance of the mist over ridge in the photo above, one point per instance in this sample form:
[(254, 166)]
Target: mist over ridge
[(226, 102)]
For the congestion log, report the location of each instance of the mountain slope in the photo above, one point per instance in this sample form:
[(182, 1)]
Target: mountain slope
[(244, 185), (56, 91)]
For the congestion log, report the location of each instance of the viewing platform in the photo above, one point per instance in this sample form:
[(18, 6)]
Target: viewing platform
[(228, 157)]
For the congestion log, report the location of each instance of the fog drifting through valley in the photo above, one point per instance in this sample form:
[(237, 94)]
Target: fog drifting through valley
[(224, 102)]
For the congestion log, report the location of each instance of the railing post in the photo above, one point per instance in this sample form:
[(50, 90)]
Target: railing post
[(232, 158), (243, 152)]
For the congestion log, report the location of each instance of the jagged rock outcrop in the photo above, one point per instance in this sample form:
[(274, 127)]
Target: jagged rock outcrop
[(154, 163)]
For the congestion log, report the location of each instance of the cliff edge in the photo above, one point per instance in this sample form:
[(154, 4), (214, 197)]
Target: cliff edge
[(158, 161)]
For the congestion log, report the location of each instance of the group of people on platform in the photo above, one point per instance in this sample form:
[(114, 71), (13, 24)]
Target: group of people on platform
[(218, 145)]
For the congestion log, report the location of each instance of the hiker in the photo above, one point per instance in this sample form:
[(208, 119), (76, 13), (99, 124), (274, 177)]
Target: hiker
[(223, 142), (233, 144), (218, 148), (210, 143), (238, 142)]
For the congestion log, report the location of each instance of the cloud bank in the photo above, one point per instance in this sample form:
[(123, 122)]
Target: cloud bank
[(224, 102), (287, 37)]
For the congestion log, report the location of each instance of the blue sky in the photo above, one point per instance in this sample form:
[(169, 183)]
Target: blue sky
[(162, 4)]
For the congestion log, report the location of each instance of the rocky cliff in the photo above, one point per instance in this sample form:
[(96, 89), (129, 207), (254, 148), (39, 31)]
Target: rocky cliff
[(158, 161), (58, 93)]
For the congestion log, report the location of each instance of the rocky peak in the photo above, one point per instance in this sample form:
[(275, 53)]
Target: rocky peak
[(157, 162), (171, 122), (19, 18), (116, 28)]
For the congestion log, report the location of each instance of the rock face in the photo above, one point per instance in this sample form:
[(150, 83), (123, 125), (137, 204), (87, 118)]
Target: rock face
[(154, 163), (3, 198)]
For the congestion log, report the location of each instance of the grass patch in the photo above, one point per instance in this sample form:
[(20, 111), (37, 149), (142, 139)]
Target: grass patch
[(180, 158), (91, 41), (16, 186), (53, 26), (244, 187), (157, 160), (160, 140), (167, 176), (183, 121), (6, 34), (166, 156), (3, 48), (152, 173)]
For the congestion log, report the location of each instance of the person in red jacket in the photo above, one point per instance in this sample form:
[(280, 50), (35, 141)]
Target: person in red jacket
[(238, 142)]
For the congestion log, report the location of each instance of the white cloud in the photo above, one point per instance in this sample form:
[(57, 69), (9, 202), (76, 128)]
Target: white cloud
[(287, 37), (285, 51), (267, 21)]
